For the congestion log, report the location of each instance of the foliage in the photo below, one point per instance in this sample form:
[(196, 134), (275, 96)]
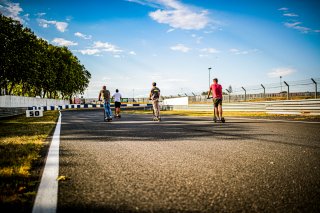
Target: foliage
[(30, 66)]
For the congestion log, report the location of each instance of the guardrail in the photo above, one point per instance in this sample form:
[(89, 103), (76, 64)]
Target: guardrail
[(296, 107), (13, 111), (311, 107)]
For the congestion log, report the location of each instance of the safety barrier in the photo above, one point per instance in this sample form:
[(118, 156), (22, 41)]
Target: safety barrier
[(84, 106), (310, 107), (294, 107)]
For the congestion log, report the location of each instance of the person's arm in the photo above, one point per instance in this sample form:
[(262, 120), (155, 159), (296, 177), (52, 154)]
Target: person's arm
[(99, 98), (209, 92)]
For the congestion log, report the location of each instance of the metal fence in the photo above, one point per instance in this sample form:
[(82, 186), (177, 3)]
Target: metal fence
[(290, 107), (286, 90)]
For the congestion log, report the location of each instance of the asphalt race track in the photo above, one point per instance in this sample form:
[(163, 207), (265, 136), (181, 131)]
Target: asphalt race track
[(187, 164)]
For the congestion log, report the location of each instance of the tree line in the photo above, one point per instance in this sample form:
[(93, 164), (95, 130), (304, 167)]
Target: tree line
[(30, 66)]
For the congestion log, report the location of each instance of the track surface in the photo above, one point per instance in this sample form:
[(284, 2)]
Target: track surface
[(186, 164)]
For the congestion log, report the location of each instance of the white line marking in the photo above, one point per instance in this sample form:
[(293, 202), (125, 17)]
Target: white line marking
[(47, 196), (273, 120)]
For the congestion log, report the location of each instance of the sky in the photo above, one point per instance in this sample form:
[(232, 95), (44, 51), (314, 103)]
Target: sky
[(128, 44)]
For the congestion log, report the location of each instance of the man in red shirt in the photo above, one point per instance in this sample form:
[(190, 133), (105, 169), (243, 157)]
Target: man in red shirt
[(217, 99)]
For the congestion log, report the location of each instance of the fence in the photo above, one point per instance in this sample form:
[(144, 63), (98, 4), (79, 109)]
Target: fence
[(286, 90), (292, 107), (15, 105)]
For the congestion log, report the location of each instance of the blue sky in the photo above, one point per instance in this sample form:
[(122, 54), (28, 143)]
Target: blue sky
[(128, 44)]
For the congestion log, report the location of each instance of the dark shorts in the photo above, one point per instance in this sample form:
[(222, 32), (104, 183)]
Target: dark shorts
[(117, 104), (217, 102)]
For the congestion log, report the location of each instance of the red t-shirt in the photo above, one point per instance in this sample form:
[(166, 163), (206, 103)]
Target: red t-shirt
[(216, 90)]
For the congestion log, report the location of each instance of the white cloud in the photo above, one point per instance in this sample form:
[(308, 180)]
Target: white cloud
[(170, 30), (27, 17), (61, 26), (176, 14), (90, 51), (209, 50), (181, 48), (107, 47), (80, 35), (132, 53), (236, 51), (99, 47), (198, 38), (284, 71), (297, 26), (145, 3), (283, 9), (63, 42), (290, 15), (11, 10), (40, 14)]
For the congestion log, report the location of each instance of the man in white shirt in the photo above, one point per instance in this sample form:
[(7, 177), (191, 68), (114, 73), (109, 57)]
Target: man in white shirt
[(117, 102)]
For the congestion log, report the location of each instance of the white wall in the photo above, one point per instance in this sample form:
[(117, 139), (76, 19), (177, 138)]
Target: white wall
[(184, 101), (19, 101)]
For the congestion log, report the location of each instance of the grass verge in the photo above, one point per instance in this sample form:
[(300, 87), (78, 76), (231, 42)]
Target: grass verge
[(23, 145)]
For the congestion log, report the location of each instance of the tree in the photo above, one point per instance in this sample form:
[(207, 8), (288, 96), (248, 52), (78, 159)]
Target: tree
[(30, 66)]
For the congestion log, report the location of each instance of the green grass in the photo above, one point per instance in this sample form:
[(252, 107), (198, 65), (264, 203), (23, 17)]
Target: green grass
[(23, 143)]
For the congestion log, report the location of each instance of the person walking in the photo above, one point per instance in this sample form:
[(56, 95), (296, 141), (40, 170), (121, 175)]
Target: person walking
[(117, 103), (155, 96), (216, 90), (105, 96)]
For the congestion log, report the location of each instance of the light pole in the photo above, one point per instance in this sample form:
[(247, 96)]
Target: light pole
[(209, 75), (281, 83)]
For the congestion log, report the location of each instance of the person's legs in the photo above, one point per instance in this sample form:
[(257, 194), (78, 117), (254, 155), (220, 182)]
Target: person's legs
[(215, 105), (117, 108), (220, 110), (158, 109), (216, 112), (105, 105), (108, 110), (155, 104)]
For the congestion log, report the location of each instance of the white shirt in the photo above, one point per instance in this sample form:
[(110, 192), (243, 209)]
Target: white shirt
[(117, 97)]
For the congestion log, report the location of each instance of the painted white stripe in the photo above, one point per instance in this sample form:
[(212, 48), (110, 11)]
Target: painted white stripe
[(47, 195), (273, 120)]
